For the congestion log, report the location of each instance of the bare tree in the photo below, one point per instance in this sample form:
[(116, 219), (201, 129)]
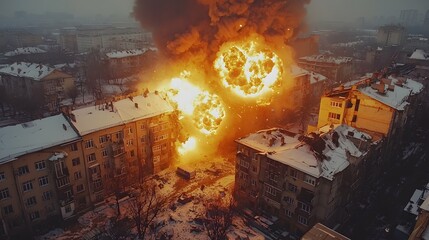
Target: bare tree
[(73, 93), (218, 217), (117, 229), (143, 209)]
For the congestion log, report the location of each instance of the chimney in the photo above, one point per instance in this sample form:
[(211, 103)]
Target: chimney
[(136, 105), (72, 117)]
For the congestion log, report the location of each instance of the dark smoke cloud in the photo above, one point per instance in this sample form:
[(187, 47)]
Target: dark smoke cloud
[(198, 28)]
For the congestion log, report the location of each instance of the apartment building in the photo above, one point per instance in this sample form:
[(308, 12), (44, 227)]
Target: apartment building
[(127, 62), (390, 35), (36, 160), (36, 82), (54, 168), (124, 141), (375, 104), (337, 69), (302, 180)]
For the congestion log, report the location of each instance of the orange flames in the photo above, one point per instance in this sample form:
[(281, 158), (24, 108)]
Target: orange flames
[(248, 67), (206, 109)]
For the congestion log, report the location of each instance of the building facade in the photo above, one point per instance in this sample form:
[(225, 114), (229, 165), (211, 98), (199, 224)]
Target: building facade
[(337, 69), (57, 167), (391, 35), (301, 180), (40, 83)]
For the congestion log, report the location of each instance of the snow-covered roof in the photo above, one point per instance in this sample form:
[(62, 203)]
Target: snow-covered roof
[(29, 70), (397, 96), (62, 65), (348, 44), (413, 205), (299, 153), (95, 118), (297, 71), (128, 53), (25, 50), (419, 54), (34, 136), (326, 59)]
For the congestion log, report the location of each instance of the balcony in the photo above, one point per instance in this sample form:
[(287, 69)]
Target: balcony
[(95, 177)]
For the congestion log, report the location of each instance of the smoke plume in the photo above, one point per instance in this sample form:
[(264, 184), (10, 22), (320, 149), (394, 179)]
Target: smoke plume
[(198, 27)]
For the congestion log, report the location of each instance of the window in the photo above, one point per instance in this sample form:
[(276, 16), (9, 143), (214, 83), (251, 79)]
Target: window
[(4, 193), (270, 190), (130, 130), (244, 163), (89, 143), (288, 213), (273, 177), (253, 182), (91, 157), (119, 135), (302, 220), (142, 127), (293, 173), (47, 195), (103, 139), (43, 181), (63, 182), (80, 188), (8, 209), (75, 161), (336, 104), (310, 180), (27, 186), (34, 215), (23, 170), (304, 207), (357, 104), (2, 176), (104, 153), (292, 187), (161, 137), (354, 119), (77, 175), (68, 209), (288, 200), (254, 169), (40, 165), (132, 153), (143, 139), (73, 147), (156, 148), (31, 201), (334, 116), (130, 142), (69, 194), (60, 168)]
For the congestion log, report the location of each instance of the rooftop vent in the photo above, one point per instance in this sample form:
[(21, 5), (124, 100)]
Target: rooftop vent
[(136, 105), (64, 127)]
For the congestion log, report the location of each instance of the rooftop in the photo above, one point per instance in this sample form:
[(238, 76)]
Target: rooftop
[(110, 114), (321, 155), (34, 136), (326, 59), (296, 71), (393, 92), (23, 51), (29, 70), (321, 232), (420, 54), (128, 53)]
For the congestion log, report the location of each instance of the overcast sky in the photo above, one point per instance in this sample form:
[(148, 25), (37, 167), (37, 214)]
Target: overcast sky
[(342, 10)]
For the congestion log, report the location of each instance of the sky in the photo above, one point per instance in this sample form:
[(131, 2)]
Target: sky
[(318, 10)]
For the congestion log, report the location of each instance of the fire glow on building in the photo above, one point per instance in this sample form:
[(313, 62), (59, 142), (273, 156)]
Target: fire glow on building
[(225, 63)]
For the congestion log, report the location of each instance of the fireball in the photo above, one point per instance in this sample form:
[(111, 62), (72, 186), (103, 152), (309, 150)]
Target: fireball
[(206, 109), (187, 146), (248, 67)]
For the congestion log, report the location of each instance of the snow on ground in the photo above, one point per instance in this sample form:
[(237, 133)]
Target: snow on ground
[(181, 221)]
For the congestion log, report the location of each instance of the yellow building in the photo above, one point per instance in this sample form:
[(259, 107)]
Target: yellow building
[(376, 105), (124, 141), (35, 174)]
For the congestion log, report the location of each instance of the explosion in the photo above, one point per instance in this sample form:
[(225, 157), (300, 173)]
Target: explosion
[(206, 109), (248, 68)]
